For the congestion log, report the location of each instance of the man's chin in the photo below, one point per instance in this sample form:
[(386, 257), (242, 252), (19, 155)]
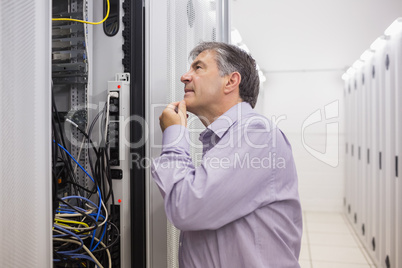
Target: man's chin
[(188, 102), (189, 108)]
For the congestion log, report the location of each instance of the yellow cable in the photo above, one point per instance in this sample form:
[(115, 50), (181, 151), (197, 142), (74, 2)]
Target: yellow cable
[(66, 225), (71, 228), (73, 222), (87, 22)]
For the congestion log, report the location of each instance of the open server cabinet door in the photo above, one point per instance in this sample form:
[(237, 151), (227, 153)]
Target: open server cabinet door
[(25, 139), (98, 90), (172, 29)]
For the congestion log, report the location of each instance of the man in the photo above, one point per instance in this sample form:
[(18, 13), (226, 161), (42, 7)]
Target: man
[(240, 207)]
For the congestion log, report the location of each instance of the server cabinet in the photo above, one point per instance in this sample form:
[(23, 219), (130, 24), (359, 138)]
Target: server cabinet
[(395, 70), (373, 192), (368, 158), (397, 38), (360, 179), (174, 27), (389, 157), (348, 187), (363, 176), (350, 150), (98, 73), (379, 58), (375, 157), (25, 139), (354, 149)]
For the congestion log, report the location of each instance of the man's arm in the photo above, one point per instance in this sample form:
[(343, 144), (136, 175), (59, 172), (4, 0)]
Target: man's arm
[(174, 114), (230, 183)]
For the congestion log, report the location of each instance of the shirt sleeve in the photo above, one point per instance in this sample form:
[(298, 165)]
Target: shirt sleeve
[(235, 178)]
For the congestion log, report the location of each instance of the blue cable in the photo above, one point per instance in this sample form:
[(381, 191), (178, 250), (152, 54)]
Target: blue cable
[(77, 256), (72, 234), (99, 192), (67, 209), (79, 197), (101, 238), (87, 200), (97, 216), (103, 233), (66, 212), (93, 214)]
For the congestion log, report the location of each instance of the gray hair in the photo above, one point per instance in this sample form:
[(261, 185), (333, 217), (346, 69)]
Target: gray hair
[(229, 59)]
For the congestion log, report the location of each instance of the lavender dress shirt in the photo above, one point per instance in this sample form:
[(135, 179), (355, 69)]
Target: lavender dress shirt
[(240, 207)]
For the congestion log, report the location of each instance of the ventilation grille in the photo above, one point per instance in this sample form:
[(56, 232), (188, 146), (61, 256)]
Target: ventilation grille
[(25, 195), (189, 23)]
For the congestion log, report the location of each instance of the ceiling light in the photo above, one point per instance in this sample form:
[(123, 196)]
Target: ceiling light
[(351, 71), (358, 64), (378, 43), (394, 28), (368, 54), (244, 47), (235, 36)]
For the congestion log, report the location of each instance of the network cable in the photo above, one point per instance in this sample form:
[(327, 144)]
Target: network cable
[(80, 216), (84, 21)]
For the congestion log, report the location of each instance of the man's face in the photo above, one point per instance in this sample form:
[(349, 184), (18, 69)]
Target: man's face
[(203, 84)]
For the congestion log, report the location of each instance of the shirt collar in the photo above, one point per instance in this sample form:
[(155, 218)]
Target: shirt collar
[(226, 120)]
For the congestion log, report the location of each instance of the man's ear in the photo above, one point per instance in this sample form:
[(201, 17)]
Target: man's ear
[(233, 82)]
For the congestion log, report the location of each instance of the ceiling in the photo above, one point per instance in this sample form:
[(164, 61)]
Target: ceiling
[(299, 35)]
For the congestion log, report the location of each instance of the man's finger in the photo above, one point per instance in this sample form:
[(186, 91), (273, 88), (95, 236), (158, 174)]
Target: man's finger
[(174, 106), (183, 107)]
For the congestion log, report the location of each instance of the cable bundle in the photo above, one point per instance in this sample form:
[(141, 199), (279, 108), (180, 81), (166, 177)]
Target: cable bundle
[(75, 238), (82, 233)]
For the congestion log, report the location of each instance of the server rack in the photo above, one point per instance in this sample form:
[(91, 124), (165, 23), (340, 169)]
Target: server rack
[(396, 41), (106, 65), (173, 28), (373, 186), (25, 140), (96, 65)]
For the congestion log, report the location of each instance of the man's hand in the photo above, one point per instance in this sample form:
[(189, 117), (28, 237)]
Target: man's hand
[(174, 114)]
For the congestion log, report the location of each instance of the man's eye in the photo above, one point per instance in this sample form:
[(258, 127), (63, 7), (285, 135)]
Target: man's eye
[(198, 67)]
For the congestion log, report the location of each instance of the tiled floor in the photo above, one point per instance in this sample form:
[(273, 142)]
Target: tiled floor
[(328, 242)]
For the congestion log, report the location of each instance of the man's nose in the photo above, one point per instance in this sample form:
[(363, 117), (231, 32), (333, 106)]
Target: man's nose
[(186, 78)]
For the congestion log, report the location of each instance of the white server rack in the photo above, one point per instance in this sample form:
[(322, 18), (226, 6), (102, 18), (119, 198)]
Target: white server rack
[(396, 40), (379, 57), (376, 158), (359, 146), (174, 27), (362, 152), (367, 80), (348, 187), (389, 157), (25, 134), (85, 61), (373, 95)]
